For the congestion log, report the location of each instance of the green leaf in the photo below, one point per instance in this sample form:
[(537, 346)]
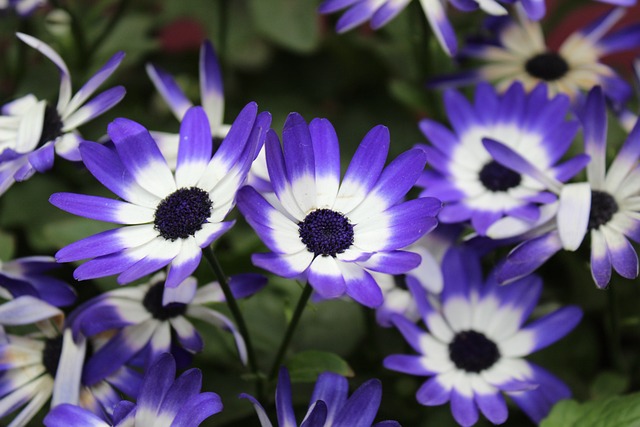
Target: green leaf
[(293, 24), (7, 246), (617, 411), (609, 384), (307, 365)]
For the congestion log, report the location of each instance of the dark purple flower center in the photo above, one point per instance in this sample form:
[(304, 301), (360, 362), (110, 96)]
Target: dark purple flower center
[(496, 177), (51, 354), (547, 66), (472, 351), (326, 232), (51, 126), (182, 213), (603, 207), (153, 303)]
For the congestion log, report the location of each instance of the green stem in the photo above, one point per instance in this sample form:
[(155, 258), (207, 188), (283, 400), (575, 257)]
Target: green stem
[(295, 319), (614, 327), (235, 312)]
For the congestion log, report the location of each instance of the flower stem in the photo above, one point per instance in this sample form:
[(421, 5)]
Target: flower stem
[(235, 312), (115, 18), (614, 331), (295, 319)]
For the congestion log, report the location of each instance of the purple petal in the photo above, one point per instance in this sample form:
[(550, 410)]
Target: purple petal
[(101, 208), (362, 407), (169, 90), (463, 408), (332, 389), (211, 94), (194, 151), (284, 405), (67, 415)]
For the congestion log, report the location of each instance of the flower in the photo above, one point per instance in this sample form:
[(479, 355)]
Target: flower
[(146, 317), (31, 130), (211, 95), (607, 206), (332, 233), (163, 401), (22, 7), (47, 364), (520, 53), (475, 342), (469, 181), (169, 216), (24, 276), (329, 406)]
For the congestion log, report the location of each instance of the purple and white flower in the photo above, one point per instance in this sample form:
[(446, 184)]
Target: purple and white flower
[(169, 216), (476, 339), (520, 53), (47, 365), (29, 276), (164, 401), (473, 185), (148, 319), (32, 130), (211, 96), (329, 405), (331, 233), (607, 205)]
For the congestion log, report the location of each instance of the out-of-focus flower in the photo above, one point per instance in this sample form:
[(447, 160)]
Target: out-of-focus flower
[(148, 318), (22, 7), (607, 206), (475, 187), (163, 401), (521, 53), (32, 130), (47, 364), (28, 276), (329, 405), (170, 216), (475, 343), (331, 233)]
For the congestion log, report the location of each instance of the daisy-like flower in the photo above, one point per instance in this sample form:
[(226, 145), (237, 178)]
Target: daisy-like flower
[(46, 364), (329, 405), (331, 233), (475, 343), (426, 277), (169, 216), (148, 319), (607, 206), (211, 95), (29, 276), (473, 186), (32, 131), (521, 54), (22, 7), (164, 401)]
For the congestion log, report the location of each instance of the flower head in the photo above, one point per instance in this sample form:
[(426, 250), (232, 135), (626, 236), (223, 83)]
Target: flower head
[(169, 216), (163, 401), (34, 130), (473, 185), (329, 405), (148, 319), (475, 343), (606, 206), (520, 53), (332, 233)]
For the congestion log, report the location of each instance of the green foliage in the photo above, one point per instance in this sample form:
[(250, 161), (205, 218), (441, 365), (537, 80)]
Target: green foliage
[(616, 411), (307, 365)]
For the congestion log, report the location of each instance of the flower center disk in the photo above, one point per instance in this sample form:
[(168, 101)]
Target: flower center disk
[(152, 301), (326, 232), (51, 354), (603, 207), (182, 213), (472, 351), (548, 66), (51, 126), (496, 177)]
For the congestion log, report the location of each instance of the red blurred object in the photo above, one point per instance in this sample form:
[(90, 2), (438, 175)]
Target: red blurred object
[(183, 34), (586, 14)]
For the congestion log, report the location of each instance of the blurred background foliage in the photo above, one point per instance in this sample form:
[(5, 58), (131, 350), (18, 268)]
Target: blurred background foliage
[(285, 56)]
